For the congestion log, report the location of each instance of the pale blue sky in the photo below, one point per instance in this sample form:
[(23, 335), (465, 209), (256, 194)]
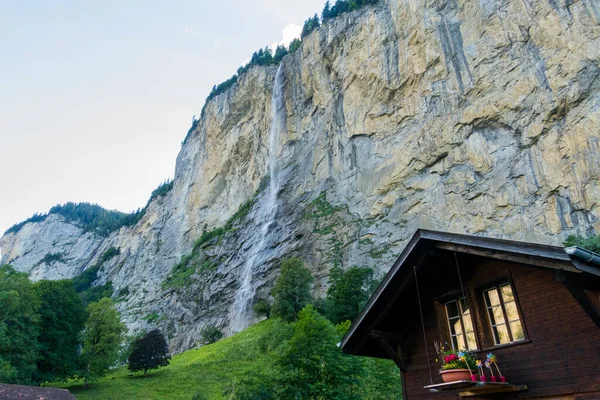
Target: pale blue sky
[(96, 96)]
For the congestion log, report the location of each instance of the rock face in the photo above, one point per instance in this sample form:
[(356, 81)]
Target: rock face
[(478, 117)]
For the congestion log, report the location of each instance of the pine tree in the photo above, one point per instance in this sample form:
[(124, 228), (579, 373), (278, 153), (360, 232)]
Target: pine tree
[(149, 352)]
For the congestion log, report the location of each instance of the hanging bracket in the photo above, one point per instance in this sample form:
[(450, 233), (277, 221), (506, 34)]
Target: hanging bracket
[(382, 338)]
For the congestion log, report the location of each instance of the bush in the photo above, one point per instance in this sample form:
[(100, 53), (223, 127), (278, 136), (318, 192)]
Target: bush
[(210, 334), (262, 308), (591, 243)]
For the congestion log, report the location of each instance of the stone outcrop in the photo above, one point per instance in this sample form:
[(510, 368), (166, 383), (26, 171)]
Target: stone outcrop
[(478, 117)]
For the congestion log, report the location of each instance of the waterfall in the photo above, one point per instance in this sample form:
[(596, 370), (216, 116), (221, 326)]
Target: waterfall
[(241, 312)]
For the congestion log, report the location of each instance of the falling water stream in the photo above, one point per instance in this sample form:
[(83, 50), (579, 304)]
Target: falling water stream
[(241, 311)]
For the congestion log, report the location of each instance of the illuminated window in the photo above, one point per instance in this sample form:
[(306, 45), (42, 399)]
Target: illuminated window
[(503, 314), (460, 324)]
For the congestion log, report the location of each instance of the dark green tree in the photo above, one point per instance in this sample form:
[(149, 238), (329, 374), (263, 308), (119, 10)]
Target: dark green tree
[(210, 334), (348, 293), (326, 13), (62, 318), (292, 289), (19, 326), (102, 339), (149, 352), (280, 52), (310, 25)]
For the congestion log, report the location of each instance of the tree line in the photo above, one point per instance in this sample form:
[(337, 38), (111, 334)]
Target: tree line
[(48, 334), (94, 218)]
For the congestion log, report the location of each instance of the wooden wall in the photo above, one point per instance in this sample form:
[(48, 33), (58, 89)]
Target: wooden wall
[(560, 358)]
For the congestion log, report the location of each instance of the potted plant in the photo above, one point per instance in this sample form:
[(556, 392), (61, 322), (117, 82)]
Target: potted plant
[(456, 365)]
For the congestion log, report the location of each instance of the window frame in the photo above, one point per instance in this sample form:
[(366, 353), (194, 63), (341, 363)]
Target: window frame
[(489, 332), (457, 297)]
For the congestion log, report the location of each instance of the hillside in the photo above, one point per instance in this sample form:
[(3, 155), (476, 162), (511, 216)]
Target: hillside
[(209, 370), (472, 117)]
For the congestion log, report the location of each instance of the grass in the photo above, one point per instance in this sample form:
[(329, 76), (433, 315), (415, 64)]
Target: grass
[(207, 370)]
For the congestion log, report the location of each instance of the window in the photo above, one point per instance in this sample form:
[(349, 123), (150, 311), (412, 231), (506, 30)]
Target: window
[(503, 315), (460, 324)]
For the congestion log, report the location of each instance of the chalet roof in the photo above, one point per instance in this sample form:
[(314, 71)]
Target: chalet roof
[(10, 392), (423, 244)]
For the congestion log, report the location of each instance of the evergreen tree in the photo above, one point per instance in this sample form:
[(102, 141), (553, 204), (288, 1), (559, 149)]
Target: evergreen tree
[(326, 13), (62, 318), (149, 352), (280, 52), (292, 289), (295, 45), (348, 293), (19, 326), (102, 337), (310, 25)]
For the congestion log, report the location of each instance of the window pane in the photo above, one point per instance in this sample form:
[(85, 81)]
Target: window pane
[(492, 297), (517, 330), (507, 294), (501, 334), (452, 309), (454, 342), (471, 342), (511, 311), (455, 326), (497, 315)]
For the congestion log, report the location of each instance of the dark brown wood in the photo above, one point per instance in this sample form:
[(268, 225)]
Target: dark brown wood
[(579, 295), (392, 353)]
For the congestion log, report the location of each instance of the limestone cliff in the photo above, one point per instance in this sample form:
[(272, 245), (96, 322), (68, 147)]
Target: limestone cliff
[(479, 117)]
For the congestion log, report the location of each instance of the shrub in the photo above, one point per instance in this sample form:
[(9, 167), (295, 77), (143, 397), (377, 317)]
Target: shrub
[(591, 243), (262, 307), (210, 334)]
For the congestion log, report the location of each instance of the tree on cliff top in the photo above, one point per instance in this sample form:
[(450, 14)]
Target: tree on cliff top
[(292, 289), (149, 352)]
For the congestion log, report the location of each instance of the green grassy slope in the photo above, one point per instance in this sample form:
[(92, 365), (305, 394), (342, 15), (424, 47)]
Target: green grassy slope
[(207, 370)]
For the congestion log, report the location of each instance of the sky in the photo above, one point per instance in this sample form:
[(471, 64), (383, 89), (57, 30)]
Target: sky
[(97, 96)]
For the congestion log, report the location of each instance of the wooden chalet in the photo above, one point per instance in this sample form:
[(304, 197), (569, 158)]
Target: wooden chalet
[(536, 307)]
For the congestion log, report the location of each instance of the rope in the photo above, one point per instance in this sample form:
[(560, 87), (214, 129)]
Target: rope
[(459, 277), (423, 325)]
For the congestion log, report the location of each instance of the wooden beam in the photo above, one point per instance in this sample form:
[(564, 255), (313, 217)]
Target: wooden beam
[(500, 255), (579, 295), (396, 337), (389, 350)]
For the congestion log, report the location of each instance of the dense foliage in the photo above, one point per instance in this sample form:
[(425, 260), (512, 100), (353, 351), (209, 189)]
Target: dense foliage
[(262, 308), (591, 243), (305, 363), (291, 292), (84, 283), (348, 293), (149, 352), (19, 326), (102, 337), (62, 317)]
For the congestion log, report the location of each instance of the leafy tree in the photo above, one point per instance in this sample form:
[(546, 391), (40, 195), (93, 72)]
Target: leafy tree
[(312, 364), (295, 45), (210, 334), (292, 289), (149, 352), (62, 317), (102, 337), (348, 293), (591, 243), (19, 326), (262, 307)]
